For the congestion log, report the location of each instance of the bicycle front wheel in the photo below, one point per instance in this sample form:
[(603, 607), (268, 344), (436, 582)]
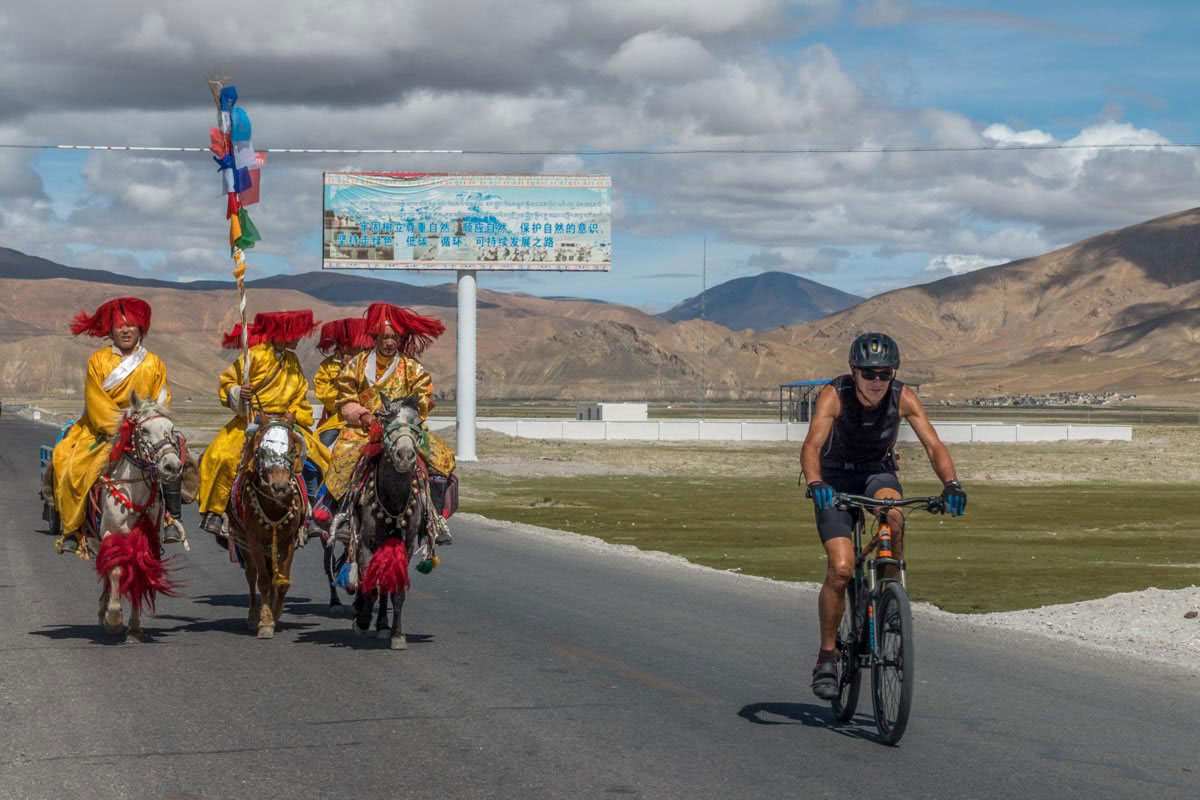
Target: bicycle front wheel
[(849, 675), (892, 675)]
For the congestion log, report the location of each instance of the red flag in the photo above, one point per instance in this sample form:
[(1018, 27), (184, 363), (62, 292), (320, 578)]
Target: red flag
[(232, 207), (219, 144), (249, 197)]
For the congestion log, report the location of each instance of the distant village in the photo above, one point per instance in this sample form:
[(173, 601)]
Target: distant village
[(1051, 399)]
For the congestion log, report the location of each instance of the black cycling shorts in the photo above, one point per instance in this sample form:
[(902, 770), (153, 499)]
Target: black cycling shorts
[(832, 523)]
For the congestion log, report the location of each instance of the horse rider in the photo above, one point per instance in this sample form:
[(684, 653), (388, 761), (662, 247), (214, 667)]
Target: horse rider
[(850, 449), (389, 368), (114, 373), (346, 338), (277, 385)]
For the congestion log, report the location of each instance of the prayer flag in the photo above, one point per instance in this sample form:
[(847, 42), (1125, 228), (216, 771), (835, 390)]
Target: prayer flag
[(248, 234), (249, 196)]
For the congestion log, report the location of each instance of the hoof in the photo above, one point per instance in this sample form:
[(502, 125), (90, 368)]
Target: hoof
[(266, 632), (135, 636), (359, 631), (383, 633), (337, 610), (112, 622), (399, 643)]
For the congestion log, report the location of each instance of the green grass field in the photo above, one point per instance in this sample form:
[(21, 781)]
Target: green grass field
[(1017, 547)]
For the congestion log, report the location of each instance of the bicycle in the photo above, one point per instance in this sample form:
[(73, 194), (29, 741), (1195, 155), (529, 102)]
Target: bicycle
[(872, 597)]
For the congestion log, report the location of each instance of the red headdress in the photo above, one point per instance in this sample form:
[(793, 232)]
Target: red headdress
[(273, 326), (107, 317), (345, 333), (416, 331)]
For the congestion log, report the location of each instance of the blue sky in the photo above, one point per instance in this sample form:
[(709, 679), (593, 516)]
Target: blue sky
[(764, 73)]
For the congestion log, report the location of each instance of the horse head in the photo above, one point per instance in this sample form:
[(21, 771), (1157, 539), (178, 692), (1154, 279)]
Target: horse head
[(278, 456), (154, 440), (403, 432)]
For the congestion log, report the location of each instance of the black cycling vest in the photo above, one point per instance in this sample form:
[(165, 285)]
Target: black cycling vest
[(862, 438)]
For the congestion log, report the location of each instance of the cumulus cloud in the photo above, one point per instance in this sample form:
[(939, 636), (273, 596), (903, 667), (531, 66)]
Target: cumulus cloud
[(957, 264), (799, 260), (661, 57), (543, 75)]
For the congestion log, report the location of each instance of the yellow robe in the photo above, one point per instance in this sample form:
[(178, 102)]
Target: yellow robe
[(279, 392), (82, 455), (325, 388), (353, 387)]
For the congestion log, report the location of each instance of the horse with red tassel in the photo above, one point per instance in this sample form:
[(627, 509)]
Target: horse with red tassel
[(126, 515), (389, 516)]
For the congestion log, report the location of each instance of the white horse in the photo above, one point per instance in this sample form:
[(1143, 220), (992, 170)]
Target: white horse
[(130, 505)]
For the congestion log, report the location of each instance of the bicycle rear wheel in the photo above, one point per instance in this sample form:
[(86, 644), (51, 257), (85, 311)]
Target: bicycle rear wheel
[(892, 675), (849, 674)]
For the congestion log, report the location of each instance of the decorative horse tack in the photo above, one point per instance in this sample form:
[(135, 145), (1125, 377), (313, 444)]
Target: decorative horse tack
[(129, 559), (267, 510)]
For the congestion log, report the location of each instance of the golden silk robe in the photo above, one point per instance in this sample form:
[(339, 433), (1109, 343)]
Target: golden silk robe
[(353, 385), (82, 455), (325, 388), (280, 387)]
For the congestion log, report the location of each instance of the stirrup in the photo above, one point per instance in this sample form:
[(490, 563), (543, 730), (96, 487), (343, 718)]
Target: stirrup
[(443, 531)]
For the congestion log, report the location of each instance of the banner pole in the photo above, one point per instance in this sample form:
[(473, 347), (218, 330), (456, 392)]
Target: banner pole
[(215, 85)]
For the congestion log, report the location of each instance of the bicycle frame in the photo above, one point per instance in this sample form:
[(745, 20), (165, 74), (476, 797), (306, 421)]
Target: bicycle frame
[(869, 570)]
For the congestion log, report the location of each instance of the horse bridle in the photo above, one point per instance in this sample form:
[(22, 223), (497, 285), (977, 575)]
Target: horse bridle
[(144, 456), (292, 459)]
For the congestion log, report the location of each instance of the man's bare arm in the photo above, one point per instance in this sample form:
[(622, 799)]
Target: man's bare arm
[(939, 456), (827, 408)]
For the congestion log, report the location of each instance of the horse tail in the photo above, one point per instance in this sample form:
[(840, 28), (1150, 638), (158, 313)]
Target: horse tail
[(144, 574), (388, 570)]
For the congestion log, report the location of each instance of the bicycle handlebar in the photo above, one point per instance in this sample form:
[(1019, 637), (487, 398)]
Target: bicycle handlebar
[(934, 505)]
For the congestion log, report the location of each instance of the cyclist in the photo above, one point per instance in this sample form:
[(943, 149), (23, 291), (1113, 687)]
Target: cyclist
[(850, 449)]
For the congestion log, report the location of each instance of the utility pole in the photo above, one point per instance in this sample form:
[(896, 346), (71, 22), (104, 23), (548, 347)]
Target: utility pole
[(703, 291)]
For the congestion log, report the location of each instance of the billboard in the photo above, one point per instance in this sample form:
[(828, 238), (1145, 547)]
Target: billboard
[(379, 220)]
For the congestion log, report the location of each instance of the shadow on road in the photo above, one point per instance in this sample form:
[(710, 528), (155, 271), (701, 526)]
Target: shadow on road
[(93, 634), (345, 637), (807, 714)]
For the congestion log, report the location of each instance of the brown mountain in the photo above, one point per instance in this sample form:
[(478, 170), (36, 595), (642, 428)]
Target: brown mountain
[(1086, 317), (1118, 312)]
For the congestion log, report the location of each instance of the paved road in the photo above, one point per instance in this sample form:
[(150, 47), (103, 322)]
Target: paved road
[(537, 668)]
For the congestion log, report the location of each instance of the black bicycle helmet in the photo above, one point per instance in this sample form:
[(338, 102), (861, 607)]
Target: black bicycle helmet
[(874, 350)]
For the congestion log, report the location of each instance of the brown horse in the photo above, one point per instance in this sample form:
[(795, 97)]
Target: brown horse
[(266, 516)]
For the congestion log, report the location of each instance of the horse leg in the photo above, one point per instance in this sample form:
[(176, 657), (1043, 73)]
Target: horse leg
[(262, 576), (397, 642), (335, 602), (135, 632), (363, 604), (113, 622), (285, 569), (251, 573), (382, 629)]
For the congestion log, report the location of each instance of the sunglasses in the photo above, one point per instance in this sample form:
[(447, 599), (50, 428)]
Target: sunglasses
[(877, 374)]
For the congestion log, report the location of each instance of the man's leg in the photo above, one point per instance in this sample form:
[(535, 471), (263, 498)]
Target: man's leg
[(835, 529), (886, 486)]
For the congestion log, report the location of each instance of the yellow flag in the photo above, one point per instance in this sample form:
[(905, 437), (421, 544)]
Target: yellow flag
[(235, 231)]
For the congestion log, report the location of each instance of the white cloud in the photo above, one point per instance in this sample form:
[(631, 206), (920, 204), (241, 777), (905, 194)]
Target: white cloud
[(958, 264), (621, 74), (662, 57)]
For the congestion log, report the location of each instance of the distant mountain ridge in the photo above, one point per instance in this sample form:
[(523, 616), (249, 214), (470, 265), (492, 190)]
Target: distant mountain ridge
[(764, 301), (336, 288)]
